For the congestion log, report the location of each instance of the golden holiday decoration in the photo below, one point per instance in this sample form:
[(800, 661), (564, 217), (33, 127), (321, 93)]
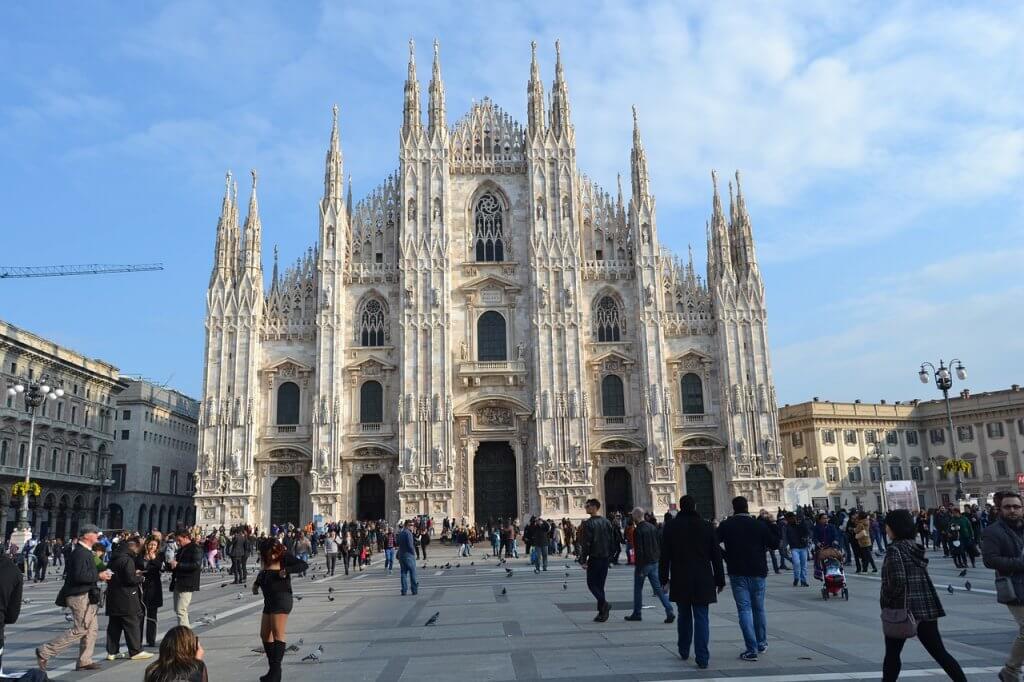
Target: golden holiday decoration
[(954, 465), (33, 488)]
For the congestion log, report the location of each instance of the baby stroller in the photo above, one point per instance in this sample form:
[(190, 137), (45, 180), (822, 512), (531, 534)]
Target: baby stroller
[(830, 562)]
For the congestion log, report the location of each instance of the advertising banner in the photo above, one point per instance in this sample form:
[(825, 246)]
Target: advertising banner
[(901, 495)]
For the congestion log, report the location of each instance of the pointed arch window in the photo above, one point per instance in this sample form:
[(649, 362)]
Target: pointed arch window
[(374, 329), (488, 219), (613, 399), (371, 403), (693, 394), (491, 343), (608, 322), (288, 403)]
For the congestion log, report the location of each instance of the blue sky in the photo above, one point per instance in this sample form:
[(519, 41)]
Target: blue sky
[(881, 145)]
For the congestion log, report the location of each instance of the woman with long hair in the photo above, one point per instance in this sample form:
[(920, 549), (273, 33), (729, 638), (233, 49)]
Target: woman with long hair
[(152, 588), (181, 658), (907, 585), (276, 582)]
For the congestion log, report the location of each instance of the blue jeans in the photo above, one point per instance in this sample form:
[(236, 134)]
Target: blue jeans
[(693, 626), (748, 591), (648, 572), (799, 559), (407, 562), (389, 558)]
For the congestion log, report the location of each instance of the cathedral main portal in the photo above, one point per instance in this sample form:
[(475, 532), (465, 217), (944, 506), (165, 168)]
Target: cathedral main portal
[(494, 482), (284, 502)]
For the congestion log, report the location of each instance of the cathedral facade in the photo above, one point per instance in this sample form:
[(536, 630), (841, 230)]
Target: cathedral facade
[(488, 334)]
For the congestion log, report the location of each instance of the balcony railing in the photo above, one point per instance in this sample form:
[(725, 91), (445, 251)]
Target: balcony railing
[(620, 423), (474, 370), (286, 432), (695, 421)]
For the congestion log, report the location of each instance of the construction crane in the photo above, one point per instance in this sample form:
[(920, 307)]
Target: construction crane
[(10, 272)]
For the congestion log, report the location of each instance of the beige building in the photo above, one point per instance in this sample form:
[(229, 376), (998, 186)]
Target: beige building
[(853, 447), (73, 435), (487, 334), (154, 457)]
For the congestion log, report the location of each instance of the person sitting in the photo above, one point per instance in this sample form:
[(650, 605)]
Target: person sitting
[(181, 658)]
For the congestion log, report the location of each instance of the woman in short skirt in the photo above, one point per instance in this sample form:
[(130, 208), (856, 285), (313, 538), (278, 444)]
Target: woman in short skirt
[(276, 582)]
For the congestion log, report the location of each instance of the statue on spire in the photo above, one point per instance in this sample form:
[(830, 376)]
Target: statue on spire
[(437, 115), (411, 120)]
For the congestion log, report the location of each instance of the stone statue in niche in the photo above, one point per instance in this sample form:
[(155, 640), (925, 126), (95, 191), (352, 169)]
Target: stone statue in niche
[(327, 296), (649, 294), (549, 455), (436, 215), (435, 297), (411, 212), (573, 404), (409, 297), (542, 297), (567, 292), (540, 208), (463, 350), (741, 447), (520, 351), (236, 462)]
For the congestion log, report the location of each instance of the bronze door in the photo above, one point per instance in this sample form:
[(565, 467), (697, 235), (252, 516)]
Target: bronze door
[(494, 482), (618, 491), (370, 498), (284, 502), (700, 486)]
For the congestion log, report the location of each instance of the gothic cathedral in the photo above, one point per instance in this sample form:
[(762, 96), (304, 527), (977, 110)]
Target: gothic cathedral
[(487, 335)]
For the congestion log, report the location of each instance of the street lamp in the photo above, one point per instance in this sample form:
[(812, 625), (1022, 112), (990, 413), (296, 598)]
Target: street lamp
[(36, 393), (944, 381), (103, 517), (882, 458), (933, 463)]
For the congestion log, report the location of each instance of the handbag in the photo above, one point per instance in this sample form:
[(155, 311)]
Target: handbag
[(1005, 591), (899, 623)]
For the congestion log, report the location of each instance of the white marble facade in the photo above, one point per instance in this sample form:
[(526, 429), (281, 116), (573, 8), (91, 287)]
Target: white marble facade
[(488, 333)]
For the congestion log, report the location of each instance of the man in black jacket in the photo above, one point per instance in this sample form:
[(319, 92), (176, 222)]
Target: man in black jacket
[(1002, 549), (124, 605), (185, 573), (238, 550), (691, 562), (42, 554), (646, 555), (596, 538), (746, 541), (82, 597), (11, 585), (540, 538)]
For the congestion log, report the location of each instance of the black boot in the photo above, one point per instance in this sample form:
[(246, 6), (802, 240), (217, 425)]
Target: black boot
[(271, 649), (275, 662)]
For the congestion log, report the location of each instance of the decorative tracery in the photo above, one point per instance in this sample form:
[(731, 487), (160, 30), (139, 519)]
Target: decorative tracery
[(489, 221), (374, 329), (608, 320)]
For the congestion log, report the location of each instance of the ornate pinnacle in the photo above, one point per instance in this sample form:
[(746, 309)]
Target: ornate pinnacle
[(253, 173)]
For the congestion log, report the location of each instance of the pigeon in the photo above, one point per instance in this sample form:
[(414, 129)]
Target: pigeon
[(330, 597), (424, 567), (257, 651), (508, 572), (314, 655), (536, 570), (458, 565), (967, 585), (949, 588), (565, 586), (239, 596), (504, 591), (223, 584), (433, 619), (962, 573), (472, 563), (26, 601), (207, 620), (69, 618), (567, 574), (298, 597)]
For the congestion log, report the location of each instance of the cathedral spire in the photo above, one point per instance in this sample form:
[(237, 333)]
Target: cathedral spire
[(333, 165), (273, 275), (535, 95), (638, 165), (719, 236), (743, 236), (253, 256), (234, 240), (348, 198), (560, 121), (437, 108), (411, 120), (221, 266)]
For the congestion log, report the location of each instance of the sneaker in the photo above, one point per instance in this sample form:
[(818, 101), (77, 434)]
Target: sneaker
[(702, 666), (748, 656), (142, 656), (804, 585), (670, 618), (795, 583), (633, 618), (116, 657), (762, 649)]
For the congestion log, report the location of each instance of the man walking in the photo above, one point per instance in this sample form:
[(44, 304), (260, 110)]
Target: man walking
[(691, 562), (595, 552), (798, 537), (238, 552), (746, 542), (1002, 549), (124, 603), (646, 555), (540, 537), (81, 595), (407, 559), (186, 568)]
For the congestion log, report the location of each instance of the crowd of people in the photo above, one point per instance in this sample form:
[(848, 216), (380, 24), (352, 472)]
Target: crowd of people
[(683, 557)]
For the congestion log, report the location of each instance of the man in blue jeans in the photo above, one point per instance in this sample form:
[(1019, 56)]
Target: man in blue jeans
[(407, 559), (798, 535), (646, 555), (746, 542)]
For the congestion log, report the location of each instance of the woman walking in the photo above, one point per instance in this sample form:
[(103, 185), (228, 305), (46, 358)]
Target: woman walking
[(331, 546), (152, 588), (276, 582), (181, 658), (863, 544), (907, 585)]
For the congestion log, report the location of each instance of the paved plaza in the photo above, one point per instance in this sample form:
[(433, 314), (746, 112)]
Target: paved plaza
[(532, 627)]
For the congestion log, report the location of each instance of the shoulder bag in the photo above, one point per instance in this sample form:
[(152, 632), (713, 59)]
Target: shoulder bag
[(899, 623)]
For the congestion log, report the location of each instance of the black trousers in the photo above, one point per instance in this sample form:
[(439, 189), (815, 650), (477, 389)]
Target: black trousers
[(147, 625), (865, 556), (931, 640), (345, 557), (129, 625)]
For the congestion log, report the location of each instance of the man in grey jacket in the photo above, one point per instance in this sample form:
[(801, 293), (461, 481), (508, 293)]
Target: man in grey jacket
[(1002, 549), (647, 554)]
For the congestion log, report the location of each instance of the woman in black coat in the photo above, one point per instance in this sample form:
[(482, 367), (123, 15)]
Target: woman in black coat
[(152, 589), (691, 562), (124, 607)]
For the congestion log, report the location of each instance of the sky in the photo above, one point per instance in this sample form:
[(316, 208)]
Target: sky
[(881, 146)]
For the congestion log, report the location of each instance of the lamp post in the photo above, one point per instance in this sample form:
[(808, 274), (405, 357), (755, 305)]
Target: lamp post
[(944, 381), (883, 459), (36, 393), (103, 517), (933, 463)]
